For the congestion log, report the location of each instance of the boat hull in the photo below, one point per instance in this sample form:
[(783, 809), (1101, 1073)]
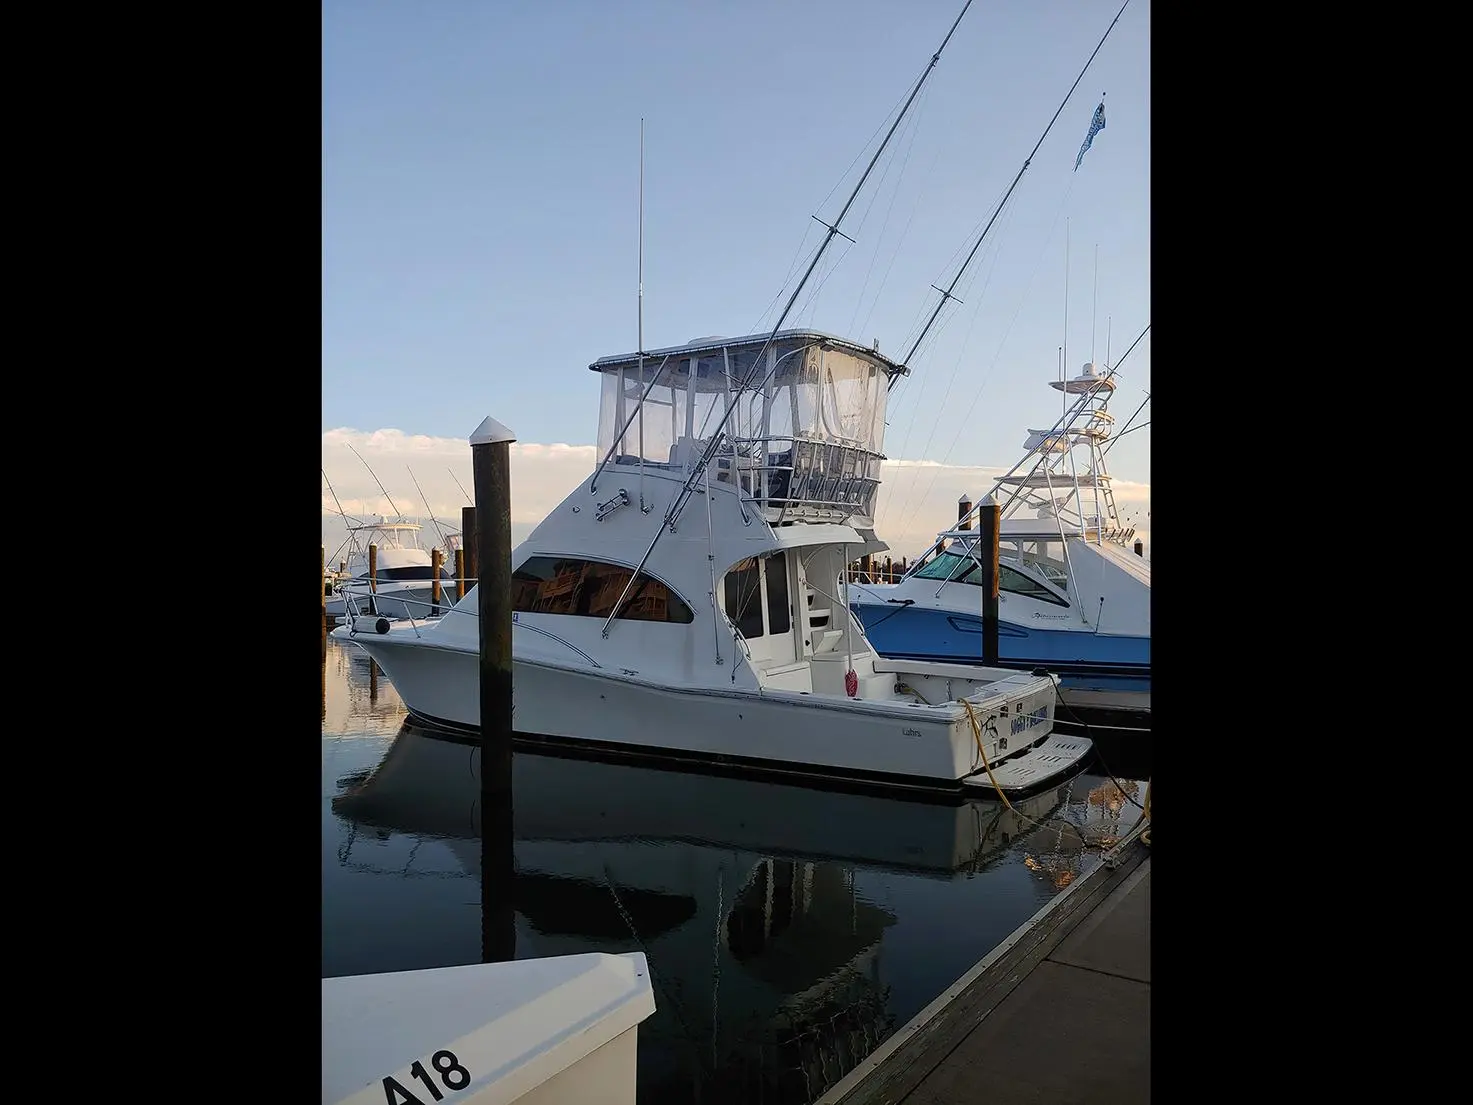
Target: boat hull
[(890, 744)]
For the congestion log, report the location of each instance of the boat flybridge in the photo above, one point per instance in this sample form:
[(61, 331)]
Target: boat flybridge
[(686, 601), (1073, 595)]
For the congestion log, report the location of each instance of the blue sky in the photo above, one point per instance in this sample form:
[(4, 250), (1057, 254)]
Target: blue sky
[(480, 216)]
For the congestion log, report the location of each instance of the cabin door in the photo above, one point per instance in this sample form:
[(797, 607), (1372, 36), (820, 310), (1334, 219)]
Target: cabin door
[(756, 594)]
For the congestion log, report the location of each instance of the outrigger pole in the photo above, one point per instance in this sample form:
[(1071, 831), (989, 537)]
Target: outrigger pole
[(946, 294), (693, 479)]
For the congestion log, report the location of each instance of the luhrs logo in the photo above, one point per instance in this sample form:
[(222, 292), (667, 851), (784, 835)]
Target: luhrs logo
[(1028, 721), (446, 1065)]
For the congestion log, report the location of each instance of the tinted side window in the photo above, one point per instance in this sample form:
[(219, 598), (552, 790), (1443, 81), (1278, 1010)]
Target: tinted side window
[(1019, 584), (411, 571), (743, 595), (588, 588), (778, 615)]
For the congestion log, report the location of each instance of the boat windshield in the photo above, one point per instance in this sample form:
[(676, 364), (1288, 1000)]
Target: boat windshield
[(951, 568)]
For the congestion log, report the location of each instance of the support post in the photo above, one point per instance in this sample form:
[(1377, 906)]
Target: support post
[(963, 511), (491, 461), (372, 580), (472, 540), (437, 561), (989, 532), (459, 574)]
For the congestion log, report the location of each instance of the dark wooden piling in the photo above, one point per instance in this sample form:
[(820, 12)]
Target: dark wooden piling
[(491, 461), (459, 574), (437, 560), (322, 592), (469, 538), (372, 580), (964, 512), (1140, 547), (989, 531)]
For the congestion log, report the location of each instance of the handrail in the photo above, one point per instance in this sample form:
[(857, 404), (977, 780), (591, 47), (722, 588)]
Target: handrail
[(559, 640)]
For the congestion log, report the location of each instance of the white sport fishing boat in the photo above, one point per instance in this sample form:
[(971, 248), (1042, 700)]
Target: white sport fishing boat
[(687, 600)]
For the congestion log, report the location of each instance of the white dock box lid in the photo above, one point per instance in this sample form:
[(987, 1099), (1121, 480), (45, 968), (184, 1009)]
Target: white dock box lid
[(486, 1033)]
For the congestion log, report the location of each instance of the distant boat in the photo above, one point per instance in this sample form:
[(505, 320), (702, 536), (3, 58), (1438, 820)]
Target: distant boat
[(1074, 595), (402, 585)]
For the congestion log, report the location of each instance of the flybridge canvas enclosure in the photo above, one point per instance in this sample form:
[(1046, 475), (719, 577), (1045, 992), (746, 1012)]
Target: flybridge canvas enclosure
[(806, 433)]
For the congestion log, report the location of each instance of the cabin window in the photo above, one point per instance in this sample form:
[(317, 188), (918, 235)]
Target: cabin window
[(588, 588), (958, 569), (1019, 584), (779, 616), (743, 597), (411, 571)]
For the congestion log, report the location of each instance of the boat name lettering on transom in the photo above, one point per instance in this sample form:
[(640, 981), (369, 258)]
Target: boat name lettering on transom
[(1028, 721), (445, 1064)]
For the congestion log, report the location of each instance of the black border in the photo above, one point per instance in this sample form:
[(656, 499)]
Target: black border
[(211, 203)]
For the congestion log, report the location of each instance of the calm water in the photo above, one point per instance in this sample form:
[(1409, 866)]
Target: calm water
[(788, 930)]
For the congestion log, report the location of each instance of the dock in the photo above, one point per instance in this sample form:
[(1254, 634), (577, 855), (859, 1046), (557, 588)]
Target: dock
[(1058, 1014)]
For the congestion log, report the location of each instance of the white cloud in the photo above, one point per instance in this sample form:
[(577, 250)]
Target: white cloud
[(430, 478)]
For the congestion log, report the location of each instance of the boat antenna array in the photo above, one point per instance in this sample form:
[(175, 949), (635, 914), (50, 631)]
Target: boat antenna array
[(946, 293), (713, 445)]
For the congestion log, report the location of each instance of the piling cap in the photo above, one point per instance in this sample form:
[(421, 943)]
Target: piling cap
[(490, 432), (965, 499), (988, 500)]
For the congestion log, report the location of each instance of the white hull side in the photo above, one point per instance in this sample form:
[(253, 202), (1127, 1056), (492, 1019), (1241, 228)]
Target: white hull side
[(775, 729)]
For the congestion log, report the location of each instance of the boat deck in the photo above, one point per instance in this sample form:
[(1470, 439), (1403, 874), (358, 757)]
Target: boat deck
[(1059, 1014)]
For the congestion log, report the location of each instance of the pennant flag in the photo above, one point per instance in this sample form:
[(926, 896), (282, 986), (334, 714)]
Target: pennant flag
[(1096, 125)]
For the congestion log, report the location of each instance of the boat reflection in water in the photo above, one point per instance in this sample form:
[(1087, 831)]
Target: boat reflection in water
[(356, 695), (766, 960)]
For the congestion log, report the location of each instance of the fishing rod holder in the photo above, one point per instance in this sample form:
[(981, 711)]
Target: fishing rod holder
[(605, 509)]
